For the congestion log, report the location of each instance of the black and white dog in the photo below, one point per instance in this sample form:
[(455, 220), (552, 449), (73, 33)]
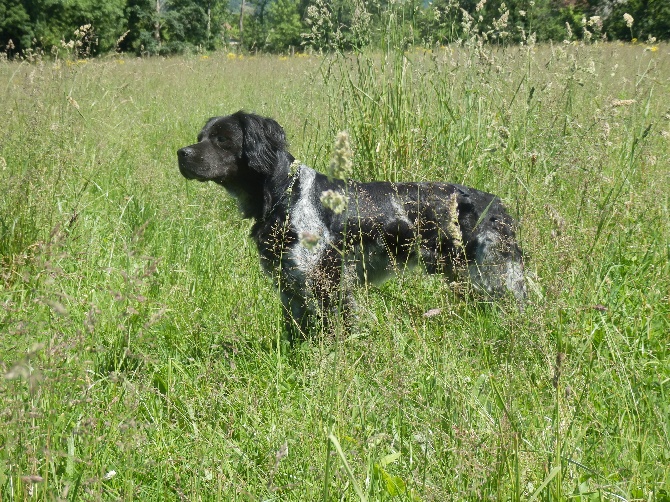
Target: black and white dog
[(317, 254)]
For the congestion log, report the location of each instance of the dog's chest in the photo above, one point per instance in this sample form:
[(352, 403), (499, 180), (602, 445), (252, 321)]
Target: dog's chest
[(306, 219)]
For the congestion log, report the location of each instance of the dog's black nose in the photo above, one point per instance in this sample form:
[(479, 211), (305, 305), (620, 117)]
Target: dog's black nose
[(186, 152)]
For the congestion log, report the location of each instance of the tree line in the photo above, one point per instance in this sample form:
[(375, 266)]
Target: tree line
[(161, 27)]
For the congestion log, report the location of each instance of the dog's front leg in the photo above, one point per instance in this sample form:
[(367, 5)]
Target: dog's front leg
[(298, 317)]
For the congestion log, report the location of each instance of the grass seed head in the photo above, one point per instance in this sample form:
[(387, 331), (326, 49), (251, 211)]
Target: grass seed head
[(568, 28), (333, 200), (616, 103), (309, 240), (342, 161), (453, 227), (72, 101)]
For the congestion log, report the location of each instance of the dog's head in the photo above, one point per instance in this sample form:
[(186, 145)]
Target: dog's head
[(227, 146), (243, 152)]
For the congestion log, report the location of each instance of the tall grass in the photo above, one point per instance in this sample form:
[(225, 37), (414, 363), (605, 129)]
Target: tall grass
[(138, 333)]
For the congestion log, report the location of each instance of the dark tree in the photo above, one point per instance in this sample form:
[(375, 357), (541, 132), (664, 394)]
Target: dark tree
[(15, 26)]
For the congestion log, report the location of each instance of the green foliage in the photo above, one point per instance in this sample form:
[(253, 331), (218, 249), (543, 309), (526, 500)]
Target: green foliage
[(159, 27), (14, 26), (54, 21), (199, 24), (286, 27), (651, 19), (175, 26)]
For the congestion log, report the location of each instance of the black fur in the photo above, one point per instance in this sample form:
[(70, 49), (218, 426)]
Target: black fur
[(316, 255)]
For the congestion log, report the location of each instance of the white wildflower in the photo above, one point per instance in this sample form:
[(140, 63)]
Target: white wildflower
[(591, 68), (312, 12), (596, 22), (432, 312), (466, 24), (629, 19), (501, 24), (109, 475)]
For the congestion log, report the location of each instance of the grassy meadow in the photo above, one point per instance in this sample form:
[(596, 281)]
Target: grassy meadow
[(139, 354)]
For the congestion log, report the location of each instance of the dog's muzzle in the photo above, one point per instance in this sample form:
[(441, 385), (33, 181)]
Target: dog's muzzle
[(188, 156)]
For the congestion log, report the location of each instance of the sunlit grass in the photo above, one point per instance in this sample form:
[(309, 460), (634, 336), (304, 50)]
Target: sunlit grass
[(138, 331)]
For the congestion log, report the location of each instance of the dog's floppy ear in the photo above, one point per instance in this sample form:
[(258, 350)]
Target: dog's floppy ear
[(264, 141)]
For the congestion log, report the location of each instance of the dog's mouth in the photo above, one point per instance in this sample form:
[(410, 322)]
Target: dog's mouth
[(190, 175)]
